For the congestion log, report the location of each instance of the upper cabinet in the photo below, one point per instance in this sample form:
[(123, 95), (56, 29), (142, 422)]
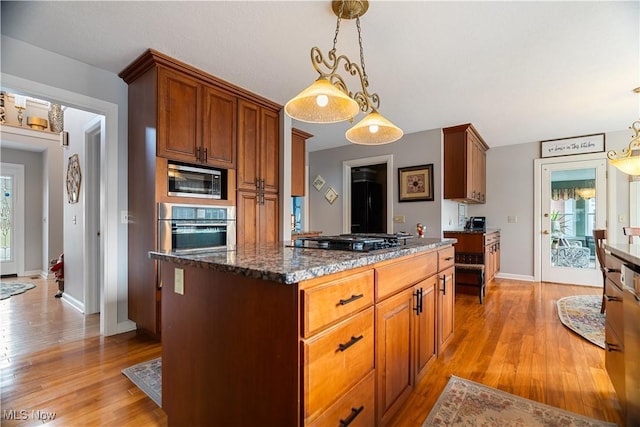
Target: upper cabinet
[(464, 164), (196, 122), (298, 161)]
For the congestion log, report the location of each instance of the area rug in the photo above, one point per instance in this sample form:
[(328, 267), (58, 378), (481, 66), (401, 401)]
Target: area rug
[(581, 314), (148, 377), (8, 289), (466, 403)]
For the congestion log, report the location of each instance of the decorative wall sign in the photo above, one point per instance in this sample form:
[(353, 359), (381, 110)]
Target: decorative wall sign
[(74, 176), (415, 183), (318, 182), (570, 146), (331, 195)]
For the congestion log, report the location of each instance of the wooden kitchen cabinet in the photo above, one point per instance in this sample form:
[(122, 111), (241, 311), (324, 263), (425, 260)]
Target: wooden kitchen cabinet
[(196, 122), (195, 118), (446, 307), (482, 247), (257, 174), (614, 329), (464, 164), (426, 335), (298, 161)]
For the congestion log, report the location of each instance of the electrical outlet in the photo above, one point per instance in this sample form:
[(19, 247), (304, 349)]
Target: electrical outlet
[(399, 219), (124, 217), (178, 281)]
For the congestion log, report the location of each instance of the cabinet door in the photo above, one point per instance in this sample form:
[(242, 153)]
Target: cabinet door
[(268, 219), (446, 301), (394, 349), (219, 128), (248, 145), (269, 153), (178, 117), (247, 212), (488, 263), (425, 325)]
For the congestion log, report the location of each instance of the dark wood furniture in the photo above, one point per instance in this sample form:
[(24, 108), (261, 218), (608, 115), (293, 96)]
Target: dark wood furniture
[(475, 249), (631, 232), (345, 346), (599, 236), (298, 161), (177, 112), (464, 164)]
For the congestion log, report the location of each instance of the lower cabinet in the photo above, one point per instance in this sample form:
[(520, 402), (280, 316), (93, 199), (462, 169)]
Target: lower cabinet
[(426, 340), (446, 305)]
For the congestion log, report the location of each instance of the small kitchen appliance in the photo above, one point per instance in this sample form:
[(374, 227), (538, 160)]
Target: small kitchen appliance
[(191, 181), (356, 242)]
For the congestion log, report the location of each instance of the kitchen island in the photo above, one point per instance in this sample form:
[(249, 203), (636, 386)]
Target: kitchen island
[(276, 335)]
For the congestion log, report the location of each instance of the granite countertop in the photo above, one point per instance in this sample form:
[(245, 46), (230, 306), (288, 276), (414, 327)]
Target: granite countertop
[(279, 262), (626, 252)]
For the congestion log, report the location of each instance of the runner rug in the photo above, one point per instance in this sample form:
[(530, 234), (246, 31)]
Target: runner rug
[(147, 376), (8, 289), (466, 403), (581, 314)]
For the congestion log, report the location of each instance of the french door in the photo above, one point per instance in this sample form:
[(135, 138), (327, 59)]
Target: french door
[(11, 215), (573, 204)]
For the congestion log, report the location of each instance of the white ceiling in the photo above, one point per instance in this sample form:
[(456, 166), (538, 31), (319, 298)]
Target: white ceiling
[(519, 71)]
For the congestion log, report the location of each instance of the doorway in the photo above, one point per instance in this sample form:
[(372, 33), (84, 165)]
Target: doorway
[(368, 189), (572, 204), (11, 219)]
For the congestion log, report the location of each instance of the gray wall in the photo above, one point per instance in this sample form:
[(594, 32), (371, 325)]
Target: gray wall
[(415, 149)]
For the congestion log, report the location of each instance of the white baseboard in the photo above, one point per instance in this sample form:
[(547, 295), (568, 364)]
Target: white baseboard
[(126, 326), (78, 305), (520, 277), (41, 273)]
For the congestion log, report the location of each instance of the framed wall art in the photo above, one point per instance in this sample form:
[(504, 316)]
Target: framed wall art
[(331, 195), (74, 177), (318, 183), (574, 145), (415, 183)]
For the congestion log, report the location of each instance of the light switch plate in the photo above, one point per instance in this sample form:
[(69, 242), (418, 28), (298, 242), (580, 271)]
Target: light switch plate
[(179, 281), (399, 219)]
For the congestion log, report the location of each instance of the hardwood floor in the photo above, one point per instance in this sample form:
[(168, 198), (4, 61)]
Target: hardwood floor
[(513, 342)]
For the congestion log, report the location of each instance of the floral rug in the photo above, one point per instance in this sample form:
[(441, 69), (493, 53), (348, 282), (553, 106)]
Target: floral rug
[(148, 377), (581, 314), (9, 289), (466, 403)]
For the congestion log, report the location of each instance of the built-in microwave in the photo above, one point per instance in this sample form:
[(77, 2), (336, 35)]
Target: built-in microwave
[(184, 228), (192, 181)]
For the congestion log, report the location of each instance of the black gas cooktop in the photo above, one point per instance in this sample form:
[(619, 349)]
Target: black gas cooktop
[(357, 242)]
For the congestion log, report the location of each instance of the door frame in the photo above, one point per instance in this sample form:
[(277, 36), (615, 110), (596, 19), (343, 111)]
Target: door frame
[(17, 245), (346, 188), (537, 202), (114, 239)]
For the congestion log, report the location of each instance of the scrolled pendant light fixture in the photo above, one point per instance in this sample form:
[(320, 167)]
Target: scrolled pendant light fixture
[(628, 161), (328, 99)]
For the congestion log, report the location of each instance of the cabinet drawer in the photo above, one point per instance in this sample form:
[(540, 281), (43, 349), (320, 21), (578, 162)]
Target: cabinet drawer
[(614, 316), (356, 408), (615, 364), (330, 302), (615, 264), (336, 360), (446, 258), (398, 275)]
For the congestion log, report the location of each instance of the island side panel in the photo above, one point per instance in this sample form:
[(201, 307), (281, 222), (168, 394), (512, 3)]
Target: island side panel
[(230, 351)]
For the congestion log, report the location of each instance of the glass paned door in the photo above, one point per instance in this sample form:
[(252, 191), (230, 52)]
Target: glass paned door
[(573, 205), (7, 234)]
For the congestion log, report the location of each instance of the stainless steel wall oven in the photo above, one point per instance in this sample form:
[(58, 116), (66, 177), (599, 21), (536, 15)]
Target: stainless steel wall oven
[(184, 228)]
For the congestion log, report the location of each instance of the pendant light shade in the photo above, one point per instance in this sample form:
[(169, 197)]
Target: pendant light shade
[(322, 102), (374, 129), (628, 160), (629, 165)]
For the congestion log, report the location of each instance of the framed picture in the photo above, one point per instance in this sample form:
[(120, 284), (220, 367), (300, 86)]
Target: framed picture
[(318, 182), (415, 183), (331, 195), (570, 146)]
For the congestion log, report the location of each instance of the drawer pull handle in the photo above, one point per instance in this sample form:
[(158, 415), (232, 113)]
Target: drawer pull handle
[(611, 347), (610, 298), (351, 342), (448, 258), (352, 299), (354, 413), (444, 284)]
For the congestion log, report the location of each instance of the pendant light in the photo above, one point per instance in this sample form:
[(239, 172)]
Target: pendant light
[(628, 161), (328, 100)]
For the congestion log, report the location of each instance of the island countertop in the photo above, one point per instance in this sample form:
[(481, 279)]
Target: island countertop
[(626, 252), (279, 262)]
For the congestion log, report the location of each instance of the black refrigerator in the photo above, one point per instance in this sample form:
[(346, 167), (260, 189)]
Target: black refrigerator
[(366, 207)]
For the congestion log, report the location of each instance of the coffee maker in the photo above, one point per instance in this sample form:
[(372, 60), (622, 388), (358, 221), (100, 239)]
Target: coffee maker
[(476, 223)]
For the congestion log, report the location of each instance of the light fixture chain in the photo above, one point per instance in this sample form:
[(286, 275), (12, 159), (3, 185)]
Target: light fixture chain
[(364, 71), (335, 36)]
